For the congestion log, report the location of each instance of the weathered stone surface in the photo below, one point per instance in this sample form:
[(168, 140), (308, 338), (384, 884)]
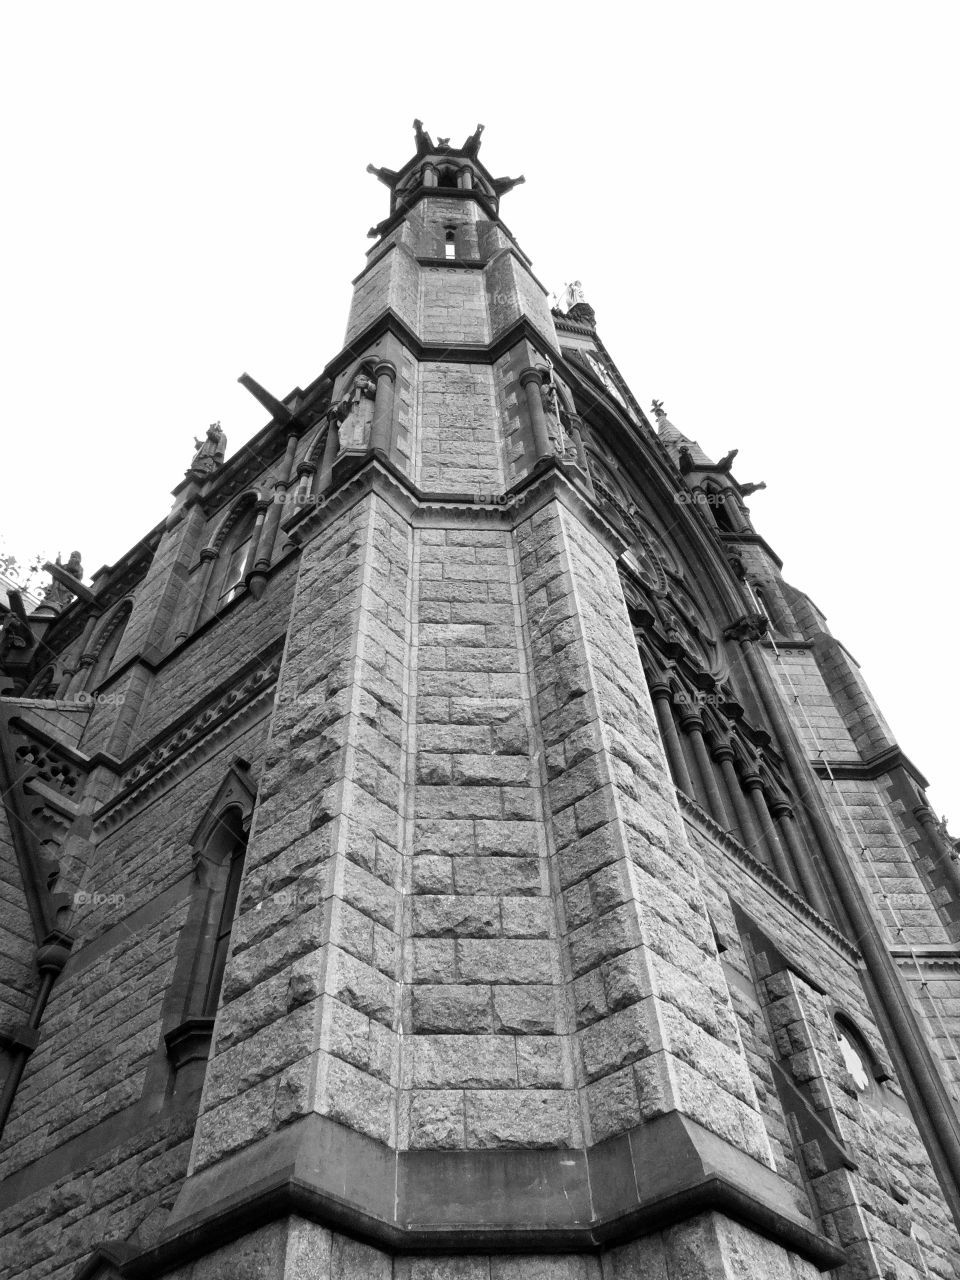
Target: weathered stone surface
[(473, 914), (452, 1008), (520, 1118)]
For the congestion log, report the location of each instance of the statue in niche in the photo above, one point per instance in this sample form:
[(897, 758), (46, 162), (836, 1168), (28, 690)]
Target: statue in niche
[(553, 413), (354, 412), (210, 450)]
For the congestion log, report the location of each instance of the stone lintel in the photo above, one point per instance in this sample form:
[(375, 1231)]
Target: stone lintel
[(506, 1200)]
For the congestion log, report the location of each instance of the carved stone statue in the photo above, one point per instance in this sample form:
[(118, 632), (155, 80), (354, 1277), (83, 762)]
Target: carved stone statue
[(56, 594), (211, 450), (15, 632), (552, 412), (424, 141), (659, 412), (573, 294), (355, 412)]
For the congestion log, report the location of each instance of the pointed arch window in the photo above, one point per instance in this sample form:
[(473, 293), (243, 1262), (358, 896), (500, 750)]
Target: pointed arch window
[(224, 854), (717, 502), (236, 556), (219, 848), (450, 243), (231, 554), (108, 642)]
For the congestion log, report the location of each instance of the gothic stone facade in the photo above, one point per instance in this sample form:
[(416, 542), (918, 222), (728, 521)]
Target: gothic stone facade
[(446, 848)]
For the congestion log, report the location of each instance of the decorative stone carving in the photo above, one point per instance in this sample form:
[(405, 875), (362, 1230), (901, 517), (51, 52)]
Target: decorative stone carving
[(354, 412), (57, 595), (751, 626), (552, 413), (210, 450)]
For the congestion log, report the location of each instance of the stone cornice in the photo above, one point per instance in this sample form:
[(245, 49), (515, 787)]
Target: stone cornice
[(928, 956), (499, 1200), (547, 482), (769, 879), (425, 352), (883, 762), (750, 539)]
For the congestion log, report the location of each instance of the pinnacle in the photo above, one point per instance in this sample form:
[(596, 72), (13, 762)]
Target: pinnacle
[(675, 440)]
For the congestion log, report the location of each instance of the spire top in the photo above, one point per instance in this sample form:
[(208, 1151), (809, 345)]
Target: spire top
[(438, 164), (685, 452)]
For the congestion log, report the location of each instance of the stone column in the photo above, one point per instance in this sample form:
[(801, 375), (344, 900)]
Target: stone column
[(532, 380), (692, 725), (331, 447), (947, 859), (263, 557), (753, 784), (200, 609), (381, 434), (81, 672), (662, 696), (305, 473), (744, 817), (812, 888)]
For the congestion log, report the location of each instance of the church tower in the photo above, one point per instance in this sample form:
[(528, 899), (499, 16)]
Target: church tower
[(446, 848)]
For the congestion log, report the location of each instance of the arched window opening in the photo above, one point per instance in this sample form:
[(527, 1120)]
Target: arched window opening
[(450, 243), (448, 177), (717, 502), (218, 847), (225, 852), (109, 643), (44, 684), (235, 557)]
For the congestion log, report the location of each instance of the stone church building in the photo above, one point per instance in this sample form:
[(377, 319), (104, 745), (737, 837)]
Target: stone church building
[(446, 848)]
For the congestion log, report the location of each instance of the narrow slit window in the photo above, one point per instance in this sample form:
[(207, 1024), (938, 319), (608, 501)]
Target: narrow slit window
[(227, 854), (450, 243), (221, 942)]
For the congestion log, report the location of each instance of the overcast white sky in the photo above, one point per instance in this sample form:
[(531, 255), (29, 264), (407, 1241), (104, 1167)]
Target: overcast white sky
[(761, 201)]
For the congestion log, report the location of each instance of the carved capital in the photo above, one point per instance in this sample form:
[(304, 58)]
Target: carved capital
[(691, 721), (54, 953)]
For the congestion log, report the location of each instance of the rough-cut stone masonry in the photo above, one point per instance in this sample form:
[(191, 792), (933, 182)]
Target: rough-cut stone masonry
[(484, 718)]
